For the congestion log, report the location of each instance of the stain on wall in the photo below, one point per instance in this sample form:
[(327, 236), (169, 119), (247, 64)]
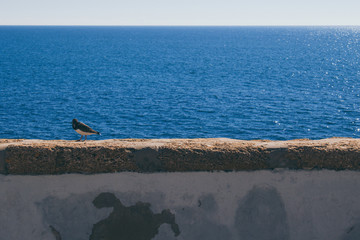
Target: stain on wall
[(136, 206), (147, 160), (353, 233), (136, 222), (200, 221), (71, 217), (261, 215), (55, 232), (103, 216)]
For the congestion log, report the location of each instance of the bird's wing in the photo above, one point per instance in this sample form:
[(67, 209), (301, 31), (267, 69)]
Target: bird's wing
[(85, 128)]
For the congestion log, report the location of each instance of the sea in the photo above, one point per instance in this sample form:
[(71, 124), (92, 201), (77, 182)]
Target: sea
[(276, 83)]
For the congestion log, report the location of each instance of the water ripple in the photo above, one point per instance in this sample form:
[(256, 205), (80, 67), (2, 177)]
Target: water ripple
[(250, 83)]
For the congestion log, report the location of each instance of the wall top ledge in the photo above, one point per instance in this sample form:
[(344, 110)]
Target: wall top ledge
[(20, 156)]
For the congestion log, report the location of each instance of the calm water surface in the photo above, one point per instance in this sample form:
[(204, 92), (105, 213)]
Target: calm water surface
[(180, 82)]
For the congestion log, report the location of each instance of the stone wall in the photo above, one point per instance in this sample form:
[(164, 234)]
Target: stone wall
[(174, 155), (185, 189)]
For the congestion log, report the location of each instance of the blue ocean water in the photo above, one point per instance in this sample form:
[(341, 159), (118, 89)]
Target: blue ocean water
[(180, 82)]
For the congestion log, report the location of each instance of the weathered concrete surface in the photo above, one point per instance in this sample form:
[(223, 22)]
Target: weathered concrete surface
[(261, 205), (159, 155)]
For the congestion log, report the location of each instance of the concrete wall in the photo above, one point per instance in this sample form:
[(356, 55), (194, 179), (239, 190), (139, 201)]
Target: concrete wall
[(238, 205), (259, 204)]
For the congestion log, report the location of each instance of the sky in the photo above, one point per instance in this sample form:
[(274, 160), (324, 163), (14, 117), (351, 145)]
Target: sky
[(180, 12)]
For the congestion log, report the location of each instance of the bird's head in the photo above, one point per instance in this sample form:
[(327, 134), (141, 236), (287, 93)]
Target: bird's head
[(74, 122)]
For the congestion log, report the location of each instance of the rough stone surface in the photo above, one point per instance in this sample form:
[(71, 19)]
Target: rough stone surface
[(34, 157)]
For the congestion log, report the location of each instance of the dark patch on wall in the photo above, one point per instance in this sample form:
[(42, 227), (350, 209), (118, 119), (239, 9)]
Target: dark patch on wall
[(147, 159), (60, 160), (353, 233), (278, 158), (262, 215), (3, 167), (55, 233), (202, 222), (136, 222), (207, 203), (72, 217)]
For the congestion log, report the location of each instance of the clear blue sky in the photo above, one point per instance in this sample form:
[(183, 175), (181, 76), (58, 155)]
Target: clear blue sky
[(179, 12)]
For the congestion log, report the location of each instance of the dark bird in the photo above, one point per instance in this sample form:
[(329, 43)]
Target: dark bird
[(83, 129)]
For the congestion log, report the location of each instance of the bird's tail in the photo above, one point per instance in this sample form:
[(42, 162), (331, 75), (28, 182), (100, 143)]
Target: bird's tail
[(98, 133)]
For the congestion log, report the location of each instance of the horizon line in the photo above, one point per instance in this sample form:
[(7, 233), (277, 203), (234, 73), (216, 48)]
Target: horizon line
[(161, 25)]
